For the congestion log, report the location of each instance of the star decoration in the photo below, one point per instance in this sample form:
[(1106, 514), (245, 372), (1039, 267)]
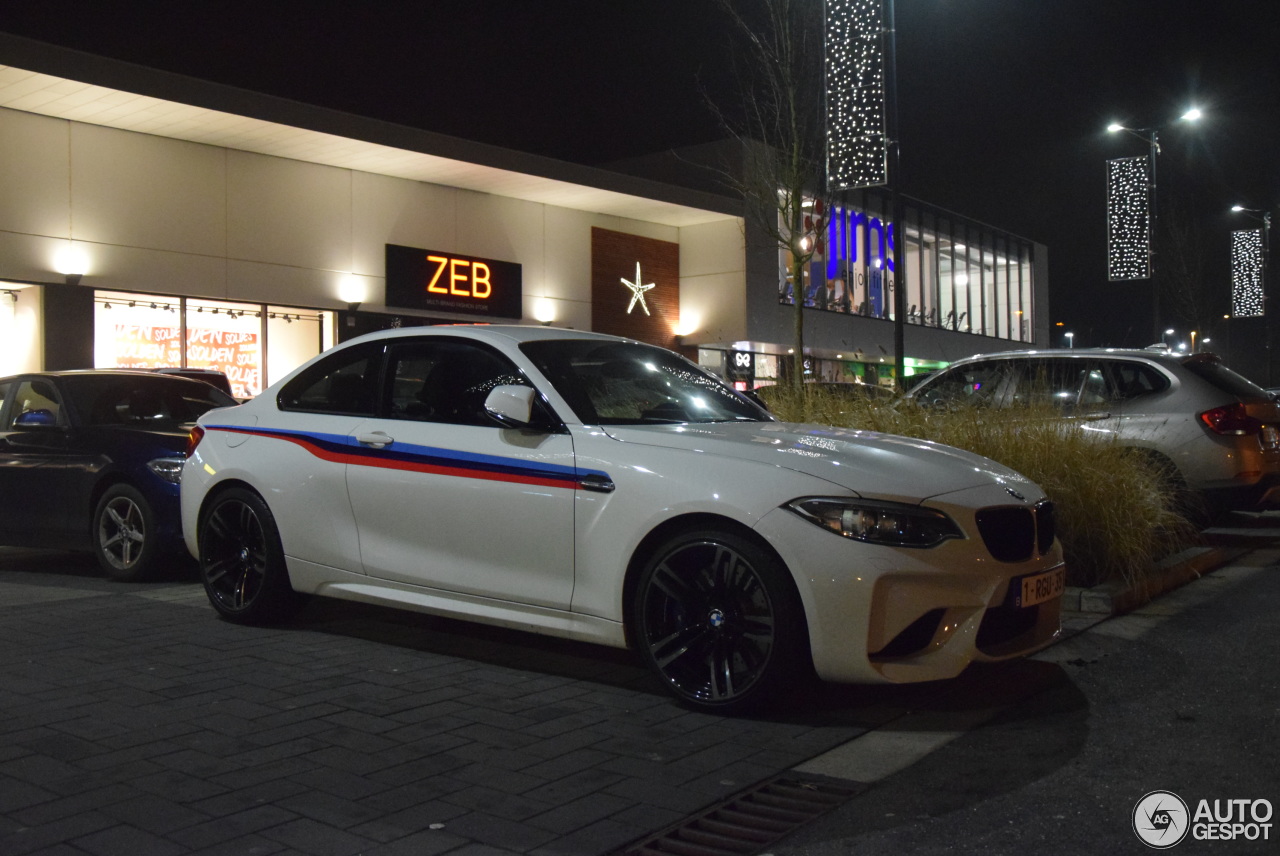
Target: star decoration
[(637, 292)]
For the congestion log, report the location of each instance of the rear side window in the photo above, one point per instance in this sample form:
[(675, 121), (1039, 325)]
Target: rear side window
[(345, 382), (1128, 380)]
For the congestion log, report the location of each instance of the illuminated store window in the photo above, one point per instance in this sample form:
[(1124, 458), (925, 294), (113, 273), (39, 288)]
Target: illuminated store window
[(252, 344), (959, 275)]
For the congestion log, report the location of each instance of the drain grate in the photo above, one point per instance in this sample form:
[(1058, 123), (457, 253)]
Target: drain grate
[(748, 822)]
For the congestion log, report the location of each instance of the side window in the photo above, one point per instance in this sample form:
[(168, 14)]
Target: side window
[(976, 384), (1050, 382), (345, 382), (4, 396), (1095, 394), (446, 380), (35, 402), (1130, 380)]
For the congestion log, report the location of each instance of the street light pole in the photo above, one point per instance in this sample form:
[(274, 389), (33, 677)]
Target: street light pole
[(1151, 136)]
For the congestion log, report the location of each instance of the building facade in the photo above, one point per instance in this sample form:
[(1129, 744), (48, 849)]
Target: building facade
[(148, 219)]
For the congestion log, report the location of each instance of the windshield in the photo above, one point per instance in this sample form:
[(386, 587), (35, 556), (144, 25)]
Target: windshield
[(626, 383)]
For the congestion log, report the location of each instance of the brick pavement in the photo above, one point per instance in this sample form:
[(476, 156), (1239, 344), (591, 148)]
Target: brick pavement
[(134, 721)]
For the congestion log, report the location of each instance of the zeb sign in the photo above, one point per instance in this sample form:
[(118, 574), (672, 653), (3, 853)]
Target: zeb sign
[(451, 282)]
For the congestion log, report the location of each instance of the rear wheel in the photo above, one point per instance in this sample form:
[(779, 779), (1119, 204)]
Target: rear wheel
[(124, 534), (717, 617), (242, 563)]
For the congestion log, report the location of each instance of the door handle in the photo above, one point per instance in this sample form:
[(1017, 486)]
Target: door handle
[(376, 439), (598, 483)]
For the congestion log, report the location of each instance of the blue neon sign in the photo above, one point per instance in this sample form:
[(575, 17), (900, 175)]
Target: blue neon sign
[(849, 237)]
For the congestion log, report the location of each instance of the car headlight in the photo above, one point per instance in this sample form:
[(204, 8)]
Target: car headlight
[(169, 469), (887, 523)]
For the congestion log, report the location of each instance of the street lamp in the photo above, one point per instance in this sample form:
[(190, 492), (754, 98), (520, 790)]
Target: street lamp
[(1151, 136), (1071, 340), (1168, 332)]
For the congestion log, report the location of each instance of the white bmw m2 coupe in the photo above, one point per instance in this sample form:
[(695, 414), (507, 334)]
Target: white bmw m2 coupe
[(601, 489)]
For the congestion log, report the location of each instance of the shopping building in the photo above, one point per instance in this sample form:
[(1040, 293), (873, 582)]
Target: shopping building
[(148, 219)]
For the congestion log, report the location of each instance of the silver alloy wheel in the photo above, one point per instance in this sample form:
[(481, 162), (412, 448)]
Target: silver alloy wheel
[(122, 533)]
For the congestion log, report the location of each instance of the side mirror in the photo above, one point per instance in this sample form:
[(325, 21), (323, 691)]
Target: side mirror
[(510, 405), (40, 418)]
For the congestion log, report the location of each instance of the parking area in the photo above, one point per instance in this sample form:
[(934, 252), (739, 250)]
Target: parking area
[(134, 721)]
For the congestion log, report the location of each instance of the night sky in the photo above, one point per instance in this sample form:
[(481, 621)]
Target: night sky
[(1003, 103)]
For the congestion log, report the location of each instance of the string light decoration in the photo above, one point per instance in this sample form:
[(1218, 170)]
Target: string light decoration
[(1128, 219), (1246, 274), (857, 150)]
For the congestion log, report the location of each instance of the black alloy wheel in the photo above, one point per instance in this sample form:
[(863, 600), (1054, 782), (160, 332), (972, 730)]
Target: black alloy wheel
[(242, 563), (124, 534), (718, 618)]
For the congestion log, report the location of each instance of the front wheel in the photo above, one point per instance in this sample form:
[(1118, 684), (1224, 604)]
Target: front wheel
[(717, 617), (242, 563)]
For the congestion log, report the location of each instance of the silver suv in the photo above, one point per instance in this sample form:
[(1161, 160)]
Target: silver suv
[(1213, 430)]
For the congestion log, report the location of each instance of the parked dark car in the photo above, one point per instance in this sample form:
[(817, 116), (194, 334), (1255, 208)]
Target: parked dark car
[(92, 460)]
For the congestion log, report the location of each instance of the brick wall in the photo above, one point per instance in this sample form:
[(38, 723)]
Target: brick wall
[(613, 259)]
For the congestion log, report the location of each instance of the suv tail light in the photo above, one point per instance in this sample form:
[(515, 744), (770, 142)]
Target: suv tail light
[(1232, 419), (193, 439)]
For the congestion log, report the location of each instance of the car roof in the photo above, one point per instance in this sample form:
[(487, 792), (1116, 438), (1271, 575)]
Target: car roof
[(517, 333), (104, 373), (1163, 356)]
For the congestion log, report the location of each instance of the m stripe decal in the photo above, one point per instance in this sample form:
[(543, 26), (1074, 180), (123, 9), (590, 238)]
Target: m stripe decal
[(335, 448)]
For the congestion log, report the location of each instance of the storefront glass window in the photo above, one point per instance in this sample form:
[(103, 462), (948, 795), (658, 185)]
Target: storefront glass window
[(146, 331), (959, 276)]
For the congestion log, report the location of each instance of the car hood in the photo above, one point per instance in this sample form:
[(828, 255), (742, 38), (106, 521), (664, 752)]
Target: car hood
[(883, 465)]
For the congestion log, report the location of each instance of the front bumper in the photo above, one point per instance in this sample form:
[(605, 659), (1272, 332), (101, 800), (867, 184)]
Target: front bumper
[(880, 614)]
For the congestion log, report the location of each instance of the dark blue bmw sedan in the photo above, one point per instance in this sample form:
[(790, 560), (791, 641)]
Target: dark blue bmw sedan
[(92, 460)]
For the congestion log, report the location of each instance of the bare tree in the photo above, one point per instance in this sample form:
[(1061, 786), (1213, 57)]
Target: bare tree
[(1185, 286), (780, 131)]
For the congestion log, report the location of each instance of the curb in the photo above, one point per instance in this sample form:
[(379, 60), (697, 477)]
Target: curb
[(1118, 597)]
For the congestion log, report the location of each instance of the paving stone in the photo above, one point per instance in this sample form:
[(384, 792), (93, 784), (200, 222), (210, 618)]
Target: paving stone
[(320, 839), (577, 814), (499, 832), (347, 731), (32, 839), (104, 799), (255, 820), (126, 841)]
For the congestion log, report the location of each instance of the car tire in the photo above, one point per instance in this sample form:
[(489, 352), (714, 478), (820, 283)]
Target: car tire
[(242, 563), (124, 534), (717, 617)]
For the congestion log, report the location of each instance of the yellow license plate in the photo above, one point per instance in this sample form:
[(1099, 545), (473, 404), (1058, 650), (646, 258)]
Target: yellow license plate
[(1040, 587)]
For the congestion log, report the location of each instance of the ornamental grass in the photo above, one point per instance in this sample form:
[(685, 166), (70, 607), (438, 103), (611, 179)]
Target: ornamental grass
[(1116, 516)]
